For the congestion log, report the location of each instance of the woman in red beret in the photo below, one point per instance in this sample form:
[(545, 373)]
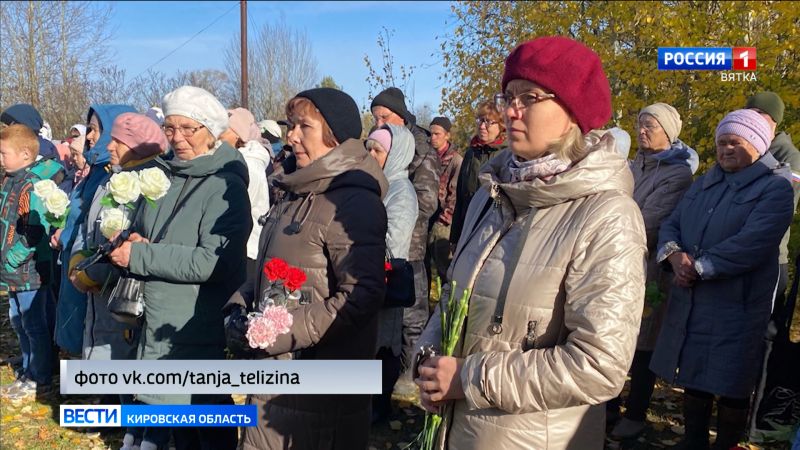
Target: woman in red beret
[(553, 250)]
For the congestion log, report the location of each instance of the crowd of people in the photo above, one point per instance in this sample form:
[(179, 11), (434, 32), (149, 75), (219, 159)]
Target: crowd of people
[(581, 265)]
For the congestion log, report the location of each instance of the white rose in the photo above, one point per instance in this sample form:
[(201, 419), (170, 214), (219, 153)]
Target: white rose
[(56, 202), (43, 188), (112, 221), (154, 183), (124, 187)]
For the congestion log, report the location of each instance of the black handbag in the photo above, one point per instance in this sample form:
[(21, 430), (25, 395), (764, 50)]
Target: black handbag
[(126, 303), (399, 283)]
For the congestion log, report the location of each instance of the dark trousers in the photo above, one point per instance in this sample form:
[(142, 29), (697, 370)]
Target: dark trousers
[(390, 372), (415, 317), (643, 380), (250, 265), (194, 438)]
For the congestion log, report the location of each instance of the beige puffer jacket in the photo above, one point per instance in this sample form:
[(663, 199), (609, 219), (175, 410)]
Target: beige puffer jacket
[(572, 309)]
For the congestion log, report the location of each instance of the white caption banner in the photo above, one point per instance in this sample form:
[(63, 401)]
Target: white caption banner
[(221, 377)]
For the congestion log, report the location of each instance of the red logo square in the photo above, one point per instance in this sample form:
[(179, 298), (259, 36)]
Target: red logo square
[(744, 58)]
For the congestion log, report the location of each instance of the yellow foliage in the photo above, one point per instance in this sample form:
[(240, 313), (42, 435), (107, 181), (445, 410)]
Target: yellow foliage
[(627, 35)]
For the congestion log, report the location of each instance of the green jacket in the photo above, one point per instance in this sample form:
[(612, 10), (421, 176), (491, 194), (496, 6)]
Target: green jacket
[(25, 254), (48, 169), (198, 264), (784, 151)]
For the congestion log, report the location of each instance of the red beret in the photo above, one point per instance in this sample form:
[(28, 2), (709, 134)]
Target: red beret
[(571, 71)]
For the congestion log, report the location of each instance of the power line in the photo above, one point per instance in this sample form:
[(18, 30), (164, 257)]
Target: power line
[(182, 45)]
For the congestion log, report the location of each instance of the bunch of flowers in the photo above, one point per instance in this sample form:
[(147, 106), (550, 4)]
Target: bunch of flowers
[(272, 318), (453, 313), (124, 189), (55, 200)]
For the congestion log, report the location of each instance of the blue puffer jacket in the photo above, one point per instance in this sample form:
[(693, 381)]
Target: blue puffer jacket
[(71, 309)]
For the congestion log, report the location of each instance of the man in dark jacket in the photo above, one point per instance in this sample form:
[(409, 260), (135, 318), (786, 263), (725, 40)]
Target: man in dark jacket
[(783, 365), (389, 106)]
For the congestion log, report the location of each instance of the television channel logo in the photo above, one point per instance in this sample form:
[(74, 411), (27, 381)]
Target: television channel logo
[(707, 58), (90, 416)]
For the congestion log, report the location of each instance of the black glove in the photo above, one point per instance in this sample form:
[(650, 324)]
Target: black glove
[(236, 330)]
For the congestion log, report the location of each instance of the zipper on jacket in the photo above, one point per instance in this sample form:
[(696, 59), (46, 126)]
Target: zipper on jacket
[(494, 192), (530, 336)]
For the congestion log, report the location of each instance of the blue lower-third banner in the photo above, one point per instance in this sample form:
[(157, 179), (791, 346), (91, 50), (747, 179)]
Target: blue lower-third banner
[(158, 416)]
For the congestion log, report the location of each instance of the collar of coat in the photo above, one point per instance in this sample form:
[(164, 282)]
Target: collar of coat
[(346, 165), (738, 180), (603, 169)]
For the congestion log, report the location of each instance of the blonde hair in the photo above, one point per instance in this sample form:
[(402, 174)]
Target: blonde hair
[(571, 146), (20, 137)]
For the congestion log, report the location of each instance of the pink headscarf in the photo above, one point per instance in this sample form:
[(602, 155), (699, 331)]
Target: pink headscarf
[(242, 122), (140, 133)]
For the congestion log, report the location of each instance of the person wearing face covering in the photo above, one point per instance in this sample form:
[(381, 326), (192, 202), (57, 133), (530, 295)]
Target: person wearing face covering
[(393, 147)]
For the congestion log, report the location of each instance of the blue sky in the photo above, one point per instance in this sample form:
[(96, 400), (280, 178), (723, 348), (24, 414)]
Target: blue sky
[(340, 34)]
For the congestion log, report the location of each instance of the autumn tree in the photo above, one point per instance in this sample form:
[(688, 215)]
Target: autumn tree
[(49, 59), (627, 37), (384, 73), (424, 114), (328, 82)]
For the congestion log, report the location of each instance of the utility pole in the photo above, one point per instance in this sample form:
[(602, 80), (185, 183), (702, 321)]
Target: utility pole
[(243, 20)]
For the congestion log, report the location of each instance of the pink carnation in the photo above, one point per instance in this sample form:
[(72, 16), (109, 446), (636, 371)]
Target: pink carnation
[(263, 330)]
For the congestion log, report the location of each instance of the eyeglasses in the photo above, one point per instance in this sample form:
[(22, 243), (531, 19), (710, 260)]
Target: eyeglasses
[(519, 102), (649, 127), (485, 121), (185, 131)]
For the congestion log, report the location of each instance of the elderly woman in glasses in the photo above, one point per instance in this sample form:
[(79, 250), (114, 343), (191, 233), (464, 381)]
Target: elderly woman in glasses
[(662, 172), (489, 138), (553, 253), (190, 250)]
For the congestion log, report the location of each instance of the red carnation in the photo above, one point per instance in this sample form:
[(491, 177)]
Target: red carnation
[(294, 279), (276, 269), (387, 266)]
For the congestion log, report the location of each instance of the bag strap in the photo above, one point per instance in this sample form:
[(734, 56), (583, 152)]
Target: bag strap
[(178, 204)]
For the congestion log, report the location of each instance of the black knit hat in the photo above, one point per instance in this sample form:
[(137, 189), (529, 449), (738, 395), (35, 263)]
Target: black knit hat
[(393, 99), (338, 109), (443, 122)]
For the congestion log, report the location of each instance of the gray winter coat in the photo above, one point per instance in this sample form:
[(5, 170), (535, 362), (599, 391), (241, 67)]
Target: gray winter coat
[(731, 223), (660, 181), (401, 214), (199, 263)]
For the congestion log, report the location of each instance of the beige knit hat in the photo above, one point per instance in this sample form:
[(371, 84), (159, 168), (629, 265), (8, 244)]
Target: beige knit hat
[(667, 117)]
